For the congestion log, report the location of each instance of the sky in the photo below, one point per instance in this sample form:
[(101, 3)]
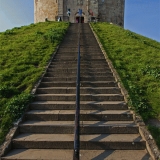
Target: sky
[(141, 16)]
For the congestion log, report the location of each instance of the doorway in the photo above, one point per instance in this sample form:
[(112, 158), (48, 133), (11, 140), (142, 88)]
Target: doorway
[(79, 19)]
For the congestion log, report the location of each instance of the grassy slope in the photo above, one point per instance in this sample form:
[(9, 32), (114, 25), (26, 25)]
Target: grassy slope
[(24, 53), (137, 60)]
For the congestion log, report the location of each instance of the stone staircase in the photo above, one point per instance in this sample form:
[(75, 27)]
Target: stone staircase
[(107, 128)]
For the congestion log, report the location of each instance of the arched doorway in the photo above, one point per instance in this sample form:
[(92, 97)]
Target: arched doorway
[(79, 19)]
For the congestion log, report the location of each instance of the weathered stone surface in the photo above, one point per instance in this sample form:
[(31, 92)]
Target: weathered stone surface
[(45, 9), (112, 11), (67, 154)]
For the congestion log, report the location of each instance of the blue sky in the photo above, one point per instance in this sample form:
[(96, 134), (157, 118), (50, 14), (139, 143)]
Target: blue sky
[(141, 16)]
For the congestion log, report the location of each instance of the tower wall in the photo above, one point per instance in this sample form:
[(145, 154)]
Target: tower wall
[(112, 11), (74, 6), (104, 10), (45, 9)]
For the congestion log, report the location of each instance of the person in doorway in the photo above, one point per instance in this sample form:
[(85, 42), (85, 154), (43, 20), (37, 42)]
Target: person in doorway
[(59, 19)]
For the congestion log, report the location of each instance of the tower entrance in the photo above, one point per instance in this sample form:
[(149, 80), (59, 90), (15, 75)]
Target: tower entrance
[(79, 19)]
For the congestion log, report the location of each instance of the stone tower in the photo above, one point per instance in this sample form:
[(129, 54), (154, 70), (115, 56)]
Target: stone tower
[(92, 10)]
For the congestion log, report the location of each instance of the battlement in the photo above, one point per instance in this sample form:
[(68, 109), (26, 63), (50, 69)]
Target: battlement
[(92, 10)]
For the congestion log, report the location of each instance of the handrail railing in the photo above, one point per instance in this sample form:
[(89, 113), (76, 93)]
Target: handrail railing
[(77, 114)]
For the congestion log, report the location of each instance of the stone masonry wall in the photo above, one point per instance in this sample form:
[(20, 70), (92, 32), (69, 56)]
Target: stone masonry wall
[(105, 10), (74, 6), (89, 9), (45, 9), (112, 11)]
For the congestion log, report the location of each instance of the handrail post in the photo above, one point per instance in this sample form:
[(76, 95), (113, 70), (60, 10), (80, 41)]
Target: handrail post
[(77, 113)]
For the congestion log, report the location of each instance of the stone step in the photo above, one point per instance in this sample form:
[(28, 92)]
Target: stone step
[(90, 142), (66, 154), (86, 35), (82, 84), (74, 59), (89, 57), (86, 127), (84, 105), (83, 97), (74, 37), (98, 60), (64, 74), (70, 43), (83, 66), (83, 90), (86, 78), (75, 49), (73, 65), (83, 46), (83, 54), (85, 115), (62, 70)]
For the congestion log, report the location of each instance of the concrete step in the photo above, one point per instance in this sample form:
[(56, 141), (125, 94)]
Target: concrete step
[(83, 66), (86, 78), (95, 57), (75, 49), (82, 43), (82, 72), (75, 55), (73, 65), (66, 154), (86, 64), (98, 60), (63, 70), (82, 51), (74, 37), (83, 97), (83, 84), (83, 90), (85, 115), (90, 142), (86, 127), (64, 74), (86, 34), (83, 54), (84, 105), (83, 58)]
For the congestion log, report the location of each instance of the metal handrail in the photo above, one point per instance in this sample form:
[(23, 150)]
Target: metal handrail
[(77, 114)]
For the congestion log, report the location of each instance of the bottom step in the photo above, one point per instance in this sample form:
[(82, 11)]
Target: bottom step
[(50, 154), (88, 142)]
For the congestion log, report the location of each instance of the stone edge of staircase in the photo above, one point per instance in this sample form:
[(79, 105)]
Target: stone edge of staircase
[(6, 145), (150, 142)]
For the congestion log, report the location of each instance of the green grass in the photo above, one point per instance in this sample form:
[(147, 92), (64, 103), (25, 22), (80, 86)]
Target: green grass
[(137, 61), (156, 133), (24, 53)]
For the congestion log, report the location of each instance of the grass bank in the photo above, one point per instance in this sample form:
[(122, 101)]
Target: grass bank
[(137, 61), (24, 53)]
